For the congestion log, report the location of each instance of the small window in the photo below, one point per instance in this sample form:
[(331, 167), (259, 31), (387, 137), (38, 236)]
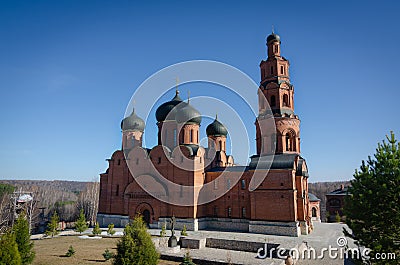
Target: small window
[(243, 184), (273, 101), (191, 135), (159, 160), (273, 142), (276, 48), (119, 162), (200, 160), (272, 70), (243, 212), (229, 212), (220, 145), (215, 211), (117, 191), (174, 137), (282, 70), (286, 100)]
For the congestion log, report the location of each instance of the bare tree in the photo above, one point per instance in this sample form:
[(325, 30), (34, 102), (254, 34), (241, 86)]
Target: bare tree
[(89, 201), (5, 213)]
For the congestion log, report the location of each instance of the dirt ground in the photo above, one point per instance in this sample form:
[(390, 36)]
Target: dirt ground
[(87, 251)]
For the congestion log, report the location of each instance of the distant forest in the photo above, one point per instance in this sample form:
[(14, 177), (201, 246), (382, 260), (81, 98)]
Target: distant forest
[(65, 197), (68, 197)]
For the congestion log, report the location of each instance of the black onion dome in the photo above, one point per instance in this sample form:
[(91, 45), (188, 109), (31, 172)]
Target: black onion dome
[(133, 122), (273, 37), (163, 112), (216, 128), (187, 114)]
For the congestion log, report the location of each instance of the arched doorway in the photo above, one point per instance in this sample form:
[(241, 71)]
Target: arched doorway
[(146, 216), (314, 212)]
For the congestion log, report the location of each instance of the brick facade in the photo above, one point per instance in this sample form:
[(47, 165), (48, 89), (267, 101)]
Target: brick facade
[(278, 205)]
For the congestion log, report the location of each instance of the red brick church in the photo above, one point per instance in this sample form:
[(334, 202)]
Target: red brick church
[(278, 205)]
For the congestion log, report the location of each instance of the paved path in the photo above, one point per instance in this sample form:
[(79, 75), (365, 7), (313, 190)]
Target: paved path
[(323, 236)]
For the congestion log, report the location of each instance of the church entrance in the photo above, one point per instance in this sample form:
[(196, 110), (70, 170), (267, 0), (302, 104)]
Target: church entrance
[(146, 217)]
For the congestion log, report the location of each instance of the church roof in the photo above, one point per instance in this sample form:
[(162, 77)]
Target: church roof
[(340, 191), (280, 161), (273, 37), (216, 128), (133, 122), (313, 198)]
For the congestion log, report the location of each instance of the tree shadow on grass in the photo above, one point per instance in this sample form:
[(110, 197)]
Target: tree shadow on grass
[(96, 260)]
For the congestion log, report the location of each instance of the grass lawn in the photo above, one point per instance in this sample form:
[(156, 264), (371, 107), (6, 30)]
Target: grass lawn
[(87, 251)]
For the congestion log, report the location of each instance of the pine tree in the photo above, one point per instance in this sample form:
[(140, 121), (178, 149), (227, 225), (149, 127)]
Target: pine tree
[(372, 208), (70, 251), (9, 254), (110, 230), (187, 260), (81, 224), (163, 231), (96, 229), (136, 247), (52, 227), (184, 231), (23, 240)]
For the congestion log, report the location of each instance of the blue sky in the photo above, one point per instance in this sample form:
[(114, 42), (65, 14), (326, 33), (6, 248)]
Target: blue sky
[(69, 68)]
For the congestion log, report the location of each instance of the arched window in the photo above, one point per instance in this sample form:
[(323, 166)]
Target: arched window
[(191, 135), (272, 70), (288, 142), (273, 101), (276, 48), (273, 142), (220, 145), (285, 100), (282, 70), (314, 212), (197, 137), (175, 137)]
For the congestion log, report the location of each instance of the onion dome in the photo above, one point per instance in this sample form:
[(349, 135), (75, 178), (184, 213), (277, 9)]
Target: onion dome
[(273, 38), (216, 128), (167, 109), (188, 114), (133, 122)]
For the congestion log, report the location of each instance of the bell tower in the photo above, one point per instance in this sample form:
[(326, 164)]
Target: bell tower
[(276, 90)]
